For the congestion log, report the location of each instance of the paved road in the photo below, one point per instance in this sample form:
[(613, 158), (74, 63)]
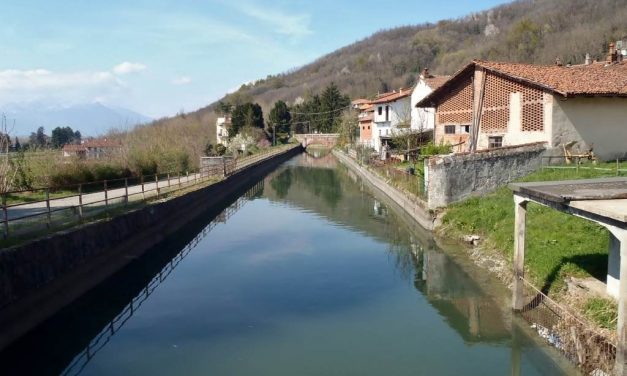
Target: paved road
[(97, 198)]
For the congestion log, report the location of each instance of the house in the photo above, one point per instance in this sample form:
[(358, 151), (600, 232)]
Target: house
[(392, 111), (92, 149), (492, 104), (365, 115), (222, 130), (423, 119)]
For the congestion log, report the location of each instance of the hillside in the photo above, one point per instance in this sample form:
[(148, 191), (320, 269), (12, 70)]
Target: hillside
[(534, 31)]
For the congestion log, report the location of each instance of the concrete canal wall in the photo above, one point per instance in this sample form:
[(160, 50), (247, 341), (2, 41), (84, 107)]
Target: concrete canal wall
[(415, 207), (39, 278)]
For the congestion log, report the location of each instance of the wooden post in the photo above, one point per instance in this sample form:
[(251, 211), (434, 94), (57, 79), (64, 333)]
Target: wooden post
[(520, 216), (80, 202), (179, 177), (620, 367), (106, 195), (187, 180), (5, 212), (48, 215), (143, 191), (224, 167), (168, 180), (125, 191), (157, 184)]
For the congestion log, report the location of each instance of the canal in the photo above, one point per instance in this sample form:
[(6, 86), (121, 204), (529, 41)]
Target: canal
[(307, 273)]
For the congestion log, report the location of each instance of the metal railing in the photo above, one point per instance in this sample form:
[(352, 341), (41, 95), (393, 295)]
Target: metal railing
[(95, 198), (587, 347)]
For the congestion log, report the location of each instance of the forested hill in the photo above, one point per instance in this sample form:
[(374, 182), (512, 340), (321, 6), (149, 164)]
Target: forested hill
[(535, 31)]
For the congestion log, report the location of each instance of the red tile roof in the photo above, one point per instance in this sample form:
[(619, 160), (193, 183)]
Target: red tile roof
[(593, 79), (391, 97), (597, 79), (435, 82)]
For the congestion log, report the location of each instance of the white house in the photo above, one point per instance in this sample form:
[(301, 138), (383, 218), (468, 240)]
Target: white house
[(392, 111), (423, 118), (222, 132)]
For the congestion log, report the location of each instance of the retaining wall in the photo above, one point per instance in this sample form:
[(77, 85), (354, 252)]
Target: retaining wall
[(455, 177), (39, 278), (415, 207)]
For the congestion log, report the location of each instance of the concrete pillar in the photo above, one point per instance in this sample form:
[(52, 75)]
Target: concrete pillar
[(520, 216), (613, 266), (621, 345)]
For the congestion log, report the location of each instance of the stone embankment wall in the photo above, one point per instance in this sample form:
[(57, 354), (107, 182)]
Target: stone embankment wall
[(38, 278), (414, 206), (453, 178)]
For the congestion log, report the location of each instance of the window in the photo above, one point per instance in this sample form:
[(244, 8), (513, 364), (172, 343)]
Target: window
[(465, 128), (495, 142), (380, 109), (387, 113), (368, 127), (449, 129)]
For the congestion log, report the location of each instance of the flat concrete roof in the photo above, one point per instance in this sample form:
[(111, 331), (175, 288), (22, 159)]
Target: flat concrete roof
[(606, 197)]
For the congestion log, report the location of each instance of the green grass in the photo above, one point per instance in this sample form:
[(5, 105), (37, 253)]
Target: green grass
[(558, 245), (603, 312)]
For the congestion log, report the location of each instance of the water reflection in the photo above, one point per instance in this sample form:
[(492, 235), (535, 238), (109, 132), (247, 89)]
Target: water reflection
[(316, 276)]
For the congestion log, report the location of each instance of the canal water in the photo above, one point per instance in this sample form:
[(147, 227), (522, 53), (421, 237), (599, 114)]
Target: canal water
[(306, 273)]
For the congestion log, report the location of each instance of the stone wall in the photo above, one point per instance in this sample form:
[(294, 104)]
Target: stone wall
[(455, 177)]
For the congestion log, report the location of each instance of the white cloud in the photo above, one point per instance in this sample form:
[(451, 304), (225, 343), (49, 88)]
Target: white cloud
[(26, 85), (183, 80), (293, 25), (128, 67)]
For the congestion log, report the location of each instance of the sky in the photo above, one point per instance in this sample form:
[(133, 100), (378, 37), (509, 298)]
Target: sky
[(160, 57)]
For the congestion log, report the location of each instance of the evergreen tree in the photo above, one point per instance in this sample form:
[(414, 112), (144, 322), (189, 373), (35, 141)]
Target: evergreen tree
[(246, 115), (279, 120), (17, 146)]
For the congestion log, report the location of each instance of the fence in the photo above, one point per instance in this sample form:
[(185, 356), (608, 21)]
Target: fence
[(585, 346), (608, 168), (27, 211)]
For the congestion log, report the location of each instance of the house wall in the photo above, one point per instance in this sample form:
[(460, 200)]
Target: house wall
[(455, 109), (421, 118), (518, 113), (365, 132), (599, 121), (400, 112)]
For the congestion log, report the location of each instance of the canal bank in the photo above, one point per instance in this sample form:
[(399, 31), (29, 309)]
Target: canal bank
[(414, 206), (309, 273), (52, 272)]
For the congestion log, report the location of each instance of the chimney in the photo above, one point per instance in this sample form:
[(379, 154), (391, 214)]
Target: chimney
[(558, 61), (612, 56), (588, 59), (425, 73)]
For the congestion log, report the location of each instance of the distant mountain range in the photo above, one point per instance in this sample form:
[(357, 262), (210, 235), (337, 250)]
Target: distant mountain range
[(91, 119)]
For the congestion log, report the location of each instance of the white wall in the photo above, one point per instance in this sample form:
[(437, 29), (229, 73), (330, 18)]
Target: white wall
[(514, 134), (421, 118), (598, 121), (400, 111)]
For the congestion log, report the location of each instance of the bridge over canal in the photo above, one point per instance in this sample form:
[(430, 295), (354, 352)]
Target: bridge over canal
[(323, 139)]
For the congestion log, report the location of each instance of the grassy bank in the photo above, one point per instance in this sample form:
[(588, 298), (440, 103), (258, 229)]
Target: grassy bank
[(558, 245)]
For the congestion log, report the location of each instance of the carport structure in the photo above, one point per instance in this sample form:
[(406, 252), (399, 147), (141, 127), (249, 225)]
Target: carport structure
[(603, 201)]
